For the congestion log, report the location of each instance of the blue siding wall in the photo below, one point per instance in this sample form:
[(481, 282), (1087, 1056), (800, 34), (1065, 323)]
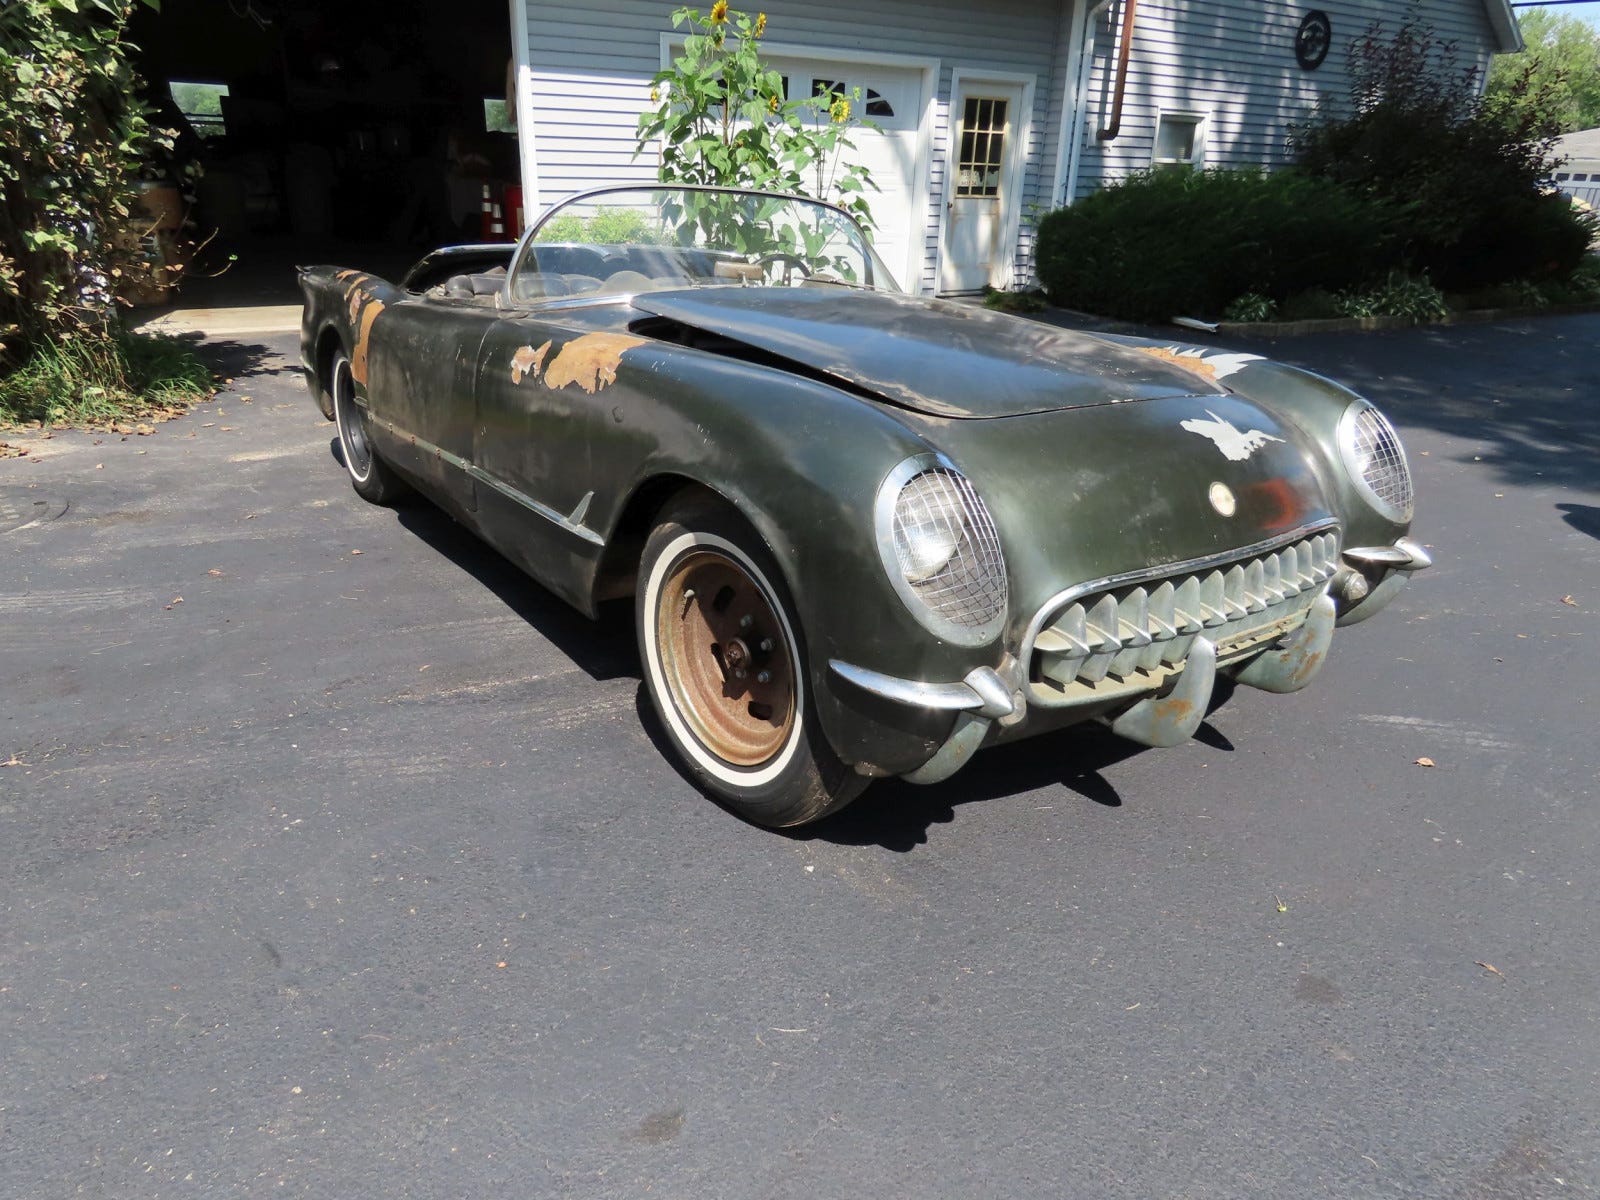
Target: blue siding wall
[(1233, 61)]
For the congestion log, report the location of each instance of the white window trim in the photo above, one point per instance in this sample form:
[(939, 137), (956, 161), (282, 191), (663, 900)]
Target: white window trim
[(909, 272), (1004, 273), (1202, 129)]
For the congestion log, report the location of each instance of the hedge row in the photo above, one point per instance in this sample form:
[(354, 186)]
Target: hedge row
[(1190, 243)]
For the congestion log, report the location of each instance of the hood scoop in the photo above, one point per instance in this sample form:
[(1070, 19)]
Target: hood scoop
[(933, 357)]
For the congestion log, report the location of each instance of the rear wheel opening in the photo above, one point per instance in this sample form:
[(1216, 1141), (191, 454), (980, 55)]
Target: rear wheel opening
[(369, 474)]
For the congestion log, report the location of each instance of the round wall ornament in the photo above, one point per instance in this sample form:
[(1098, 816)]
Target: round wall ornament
[(1313, 39)]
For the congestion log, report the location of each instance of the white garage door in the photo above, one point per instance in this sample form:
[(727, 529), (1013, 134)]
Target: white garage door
[(891, 100)]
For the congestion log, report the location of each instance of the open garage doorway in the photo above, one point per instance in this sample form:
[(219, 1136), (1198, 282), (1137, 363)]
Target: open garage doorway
[(362, 133)]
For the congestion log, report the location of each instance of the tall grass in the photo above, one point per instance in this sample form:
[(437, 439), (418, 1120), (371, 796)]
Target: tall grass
[(90, 381)]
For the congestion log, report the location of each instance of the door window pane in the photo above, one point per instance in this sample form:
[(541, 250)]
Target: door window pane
[(983, 138)]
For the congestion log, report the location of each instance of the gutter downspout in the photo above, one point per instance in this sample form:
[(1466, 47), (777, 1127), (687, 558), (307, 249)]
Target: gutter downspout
[(1130, 12), (1074, 128)]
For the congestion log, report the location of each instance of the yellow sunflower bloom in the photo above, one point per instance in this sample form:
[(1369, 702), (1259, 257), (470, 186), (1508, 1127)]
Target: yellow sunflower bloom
[(719, 12), (655, 95), (761, 24), (772, 102), (839, 111)]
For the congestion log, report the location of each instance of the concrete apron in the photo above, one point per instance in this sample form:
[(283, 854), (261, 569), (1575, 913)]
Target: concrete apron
[(221, 322)]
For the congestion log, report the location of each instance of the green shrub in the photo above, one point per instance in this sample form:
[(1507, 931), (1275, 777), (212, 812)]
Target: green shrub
[(77, 379), (1172, 243), (1313, 304), (1399, 295), (73, 138), (1463, 178), (1252, 306), (1031, 301)]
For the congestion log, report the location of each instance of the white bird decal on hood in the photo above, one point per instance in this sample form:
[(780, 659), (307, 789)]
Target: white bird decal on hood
[(1235, 446)]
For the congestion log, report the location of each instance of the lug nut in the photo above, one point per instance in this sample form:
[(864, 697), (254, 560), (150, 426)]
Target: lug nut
[(746, 621), (763, 676), (766, 645), (739, 674)]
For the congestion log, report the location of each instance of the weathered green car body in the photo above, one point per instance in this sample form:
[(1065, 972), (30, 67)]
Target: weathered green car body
[(556, 428)]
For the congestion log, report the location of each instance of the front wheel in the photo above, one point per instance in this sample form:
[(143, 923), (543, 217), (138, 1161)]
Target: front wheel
[(369, 474), (725, 668)]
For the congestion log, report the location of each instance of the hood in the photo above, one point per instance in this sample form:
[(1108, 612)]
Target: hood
[(930, 356)]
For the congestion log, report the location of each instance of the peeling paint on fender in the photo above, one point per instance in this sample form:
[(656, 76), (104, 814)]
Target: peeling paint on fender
[(528, 361), (590, 361), (1209, 366), (358, 357)]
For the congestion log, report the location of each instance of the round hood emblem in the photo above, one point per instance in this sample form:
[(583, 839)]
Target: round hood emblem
[(1222, 499)]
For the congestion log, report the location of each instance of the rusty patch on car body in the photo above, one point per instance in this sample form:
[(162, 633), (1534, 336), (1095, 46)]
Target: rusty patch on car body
[(528, 361), (1189, 361), (358, 357), (590, 361)]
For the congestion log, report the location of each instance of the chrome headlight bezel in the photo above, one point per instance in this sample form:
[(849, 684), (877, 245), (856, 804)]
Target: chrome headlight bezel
[(1375, 459), (966, 606)]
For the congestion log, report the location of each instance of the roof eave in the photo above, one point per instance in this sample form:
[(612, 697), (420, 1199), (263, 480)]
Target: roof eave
[(1506, 30)]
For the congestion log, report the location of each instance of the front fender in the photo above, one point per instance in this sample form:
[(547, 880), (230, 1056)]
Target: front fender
[(802, 462)]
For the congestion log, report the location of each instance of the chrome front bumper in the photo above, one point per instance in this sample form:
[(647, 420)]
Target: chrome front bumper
[(1280, 633)]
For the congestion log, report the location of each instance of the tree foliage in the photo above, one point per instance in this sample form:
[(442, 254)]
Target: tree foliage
[(722, 117), (72, 135), (1561, 67), (1464, 176)]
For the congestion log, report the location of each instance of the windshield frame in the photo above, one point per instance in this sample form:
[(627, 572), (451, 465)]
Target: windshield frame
[(530, 237)]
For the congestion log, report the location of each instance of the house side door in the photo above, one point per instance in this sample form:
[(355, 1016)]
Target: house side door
[(979, 197)]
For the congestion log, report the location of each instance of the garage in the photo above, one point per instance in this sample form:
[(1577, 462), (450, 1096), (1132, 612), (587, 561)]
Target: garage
[(361, 132), (892, 101)]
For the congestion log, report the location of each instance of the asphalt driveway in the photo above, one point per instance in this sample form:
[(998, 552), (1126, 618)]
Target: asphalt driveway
[(338, 860)]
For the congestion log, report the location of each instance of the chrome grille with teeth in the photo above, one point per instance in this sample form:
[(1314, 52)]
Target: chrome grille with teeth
[(1130, 638)]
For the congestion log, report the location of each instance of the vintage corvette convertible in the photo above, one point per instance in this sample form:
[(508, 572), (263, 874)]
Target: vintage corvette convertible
[(867, 534)]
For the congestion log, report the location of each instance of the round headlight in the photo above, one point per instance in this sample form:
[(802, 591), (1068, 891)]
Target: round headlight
[(941, 551), (1376, 461)]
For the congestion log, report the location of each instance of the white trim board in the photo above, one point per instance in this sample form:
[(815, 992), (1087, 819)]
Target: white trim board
[(527, 148)]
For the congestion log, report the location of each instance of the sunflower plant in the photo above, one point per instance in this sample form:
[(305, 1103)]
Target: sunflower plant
[(720, 116)]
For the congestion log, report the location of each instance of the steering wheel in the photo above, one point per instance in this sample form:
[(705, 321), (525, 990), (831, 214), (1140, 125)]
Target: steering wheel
[(788, 260)]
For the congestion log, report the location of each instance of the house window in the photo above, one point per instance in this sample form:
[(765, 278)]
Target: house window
[(873, 102), (201, 105), (1562, 176), (983, 146), (496, 117), (1180, 140), (1580, 179)]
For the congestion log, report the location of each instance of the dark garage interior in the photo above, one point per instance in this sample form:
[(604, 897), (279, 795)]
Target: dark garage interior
[(362, 133)]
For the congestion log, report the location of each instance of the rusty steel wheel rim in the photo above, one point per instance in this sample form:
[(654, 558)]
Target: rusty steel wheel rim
[(726, 659)]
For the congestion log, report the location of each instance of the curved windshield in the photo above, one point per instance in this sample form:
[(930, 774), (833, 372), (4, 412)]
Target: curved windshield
[(629, 240)]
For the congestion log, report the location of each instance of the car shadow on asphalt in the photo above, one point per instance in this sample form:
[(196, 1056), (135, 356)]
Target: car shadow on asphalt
[(602, 648), (898, 815), (1585, 518)]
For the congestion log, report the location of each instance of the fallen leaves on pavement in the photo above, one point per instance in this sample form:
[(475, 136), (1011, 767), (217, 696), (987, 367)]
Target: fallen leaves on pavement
[(1426, 762), (1490, 967)]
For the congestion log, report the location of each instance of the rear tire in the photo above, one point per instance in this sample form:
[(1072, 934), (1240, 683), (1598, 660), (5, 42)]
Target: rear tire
[(369, 474), (724, 663)]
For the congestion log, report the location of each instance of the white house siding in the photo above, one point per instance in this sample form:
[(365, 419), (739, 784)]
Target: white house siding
[(591, 65), (1233, 61)]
